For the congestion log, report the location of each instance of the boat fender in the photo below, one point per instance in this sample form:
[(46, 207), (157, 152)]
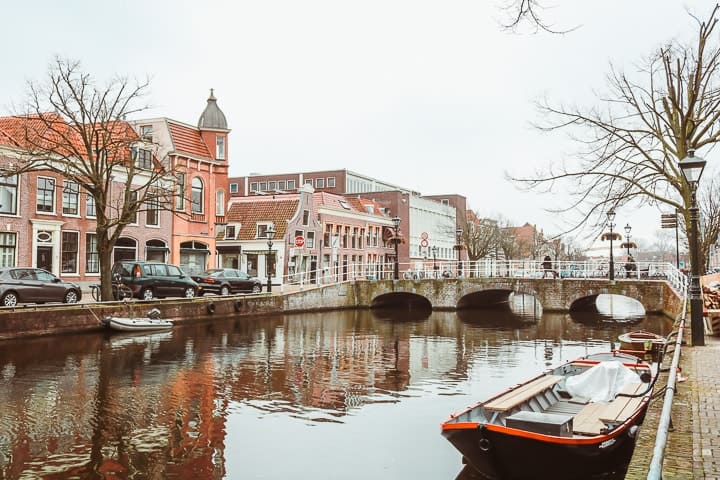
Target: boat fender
[(211, 308), (238, 305), (484, 444), (632, 431)]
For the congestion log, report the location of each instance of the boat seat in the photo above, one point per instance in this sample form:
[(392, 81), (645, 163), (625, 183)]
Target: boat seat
[(513, 398), (587, 421), (620, 408)]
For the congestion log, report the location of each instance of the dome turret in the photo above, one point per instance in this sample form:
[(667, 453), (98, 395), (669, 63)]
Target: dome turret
[(212, 117)]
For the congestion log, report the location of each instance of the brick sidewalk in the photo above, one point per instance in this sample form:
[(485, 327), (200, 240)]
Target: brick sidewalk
[(693, 448)]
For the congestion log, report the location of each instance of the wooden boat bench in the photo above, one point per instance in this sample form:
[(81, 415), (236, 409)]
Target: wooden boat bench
[(594, 416), (515, 397)]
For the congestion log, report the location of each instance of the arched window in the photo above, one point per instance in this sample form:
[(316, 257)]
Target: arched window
[(198, 195), (220, 203)]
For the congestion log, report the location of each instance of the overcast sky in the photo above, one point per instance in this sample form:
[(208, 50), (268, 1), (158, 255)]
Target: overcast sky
[(430, 95)]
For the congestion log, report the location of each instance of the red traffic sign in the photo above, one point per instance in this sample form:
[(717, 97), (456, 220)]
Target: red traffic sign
[(299, 241)]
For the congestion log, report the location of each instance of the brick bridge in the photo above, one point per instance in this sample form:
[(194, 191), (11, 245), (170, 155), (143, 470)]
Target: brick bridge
[(656, 296)]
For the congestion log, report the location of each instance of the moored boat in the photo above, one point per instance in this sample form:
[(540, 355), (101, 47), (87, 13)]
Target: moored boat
[(575, 421), (640, 342), (138, 324)]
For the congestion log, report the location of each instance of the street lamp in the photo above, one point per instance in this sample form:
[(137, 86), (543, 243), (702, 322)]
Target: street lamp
[(269, 234), (459, 233), (692, 169), (628, 229), (434, 252), (396, 227), (611, 225)]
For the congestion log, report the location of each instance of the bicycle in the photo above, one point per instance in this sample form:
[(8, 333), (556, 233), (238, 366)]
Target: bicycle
[(120, 291)]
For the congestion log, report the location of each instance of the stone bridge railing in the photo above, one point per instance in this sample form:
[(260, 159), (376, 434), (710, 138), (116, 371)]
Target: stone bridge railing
[(656, 296)]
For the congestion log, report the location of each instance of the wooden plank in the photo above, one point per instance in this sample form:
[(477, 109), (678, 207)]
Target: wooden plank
[(621, 407), (522, 393), (587, 420)]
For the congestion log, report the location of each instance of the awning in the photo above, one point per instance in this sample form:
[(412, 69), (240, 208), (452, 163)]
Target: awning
[(204, 251), (389, 235), (237, 249), (156, 249)]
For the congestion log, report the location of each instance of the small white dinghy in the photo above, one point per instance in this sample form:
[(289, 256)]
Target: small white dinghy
[(139, 324)]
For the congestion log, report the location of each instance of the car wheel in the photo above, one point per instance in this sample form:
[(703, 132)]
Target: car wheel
[(10, 299), (189, 292), (147, 294), (224, 290), (257, 288), (71, 296)]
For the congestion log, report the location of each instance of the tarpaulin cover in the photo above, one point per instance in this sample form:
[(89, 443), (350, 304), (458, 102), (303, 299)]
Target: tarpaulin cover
[(602, 382)]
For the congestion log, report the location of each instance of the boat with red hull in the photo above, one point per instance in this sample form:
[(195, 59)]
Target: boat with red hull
[(576, 421)]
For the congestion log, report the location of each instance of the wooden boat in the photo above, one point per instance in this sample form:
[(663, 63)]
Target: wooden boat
[(640, 342), (137, 324), (574, 421)]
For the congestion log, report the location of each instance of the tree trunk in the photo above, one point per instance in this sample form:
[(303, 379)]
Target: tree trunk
[(105, 257)]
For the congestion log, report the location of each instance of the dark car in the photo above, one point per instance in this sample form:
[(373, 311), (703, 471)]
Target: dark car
[(24, 285), (148, 280), (225, 281)]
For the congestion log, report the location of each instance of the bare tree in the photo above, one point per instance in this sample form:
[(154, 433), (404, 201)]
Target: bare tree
[(481, 237), (529, 13), (709, 204), (73, 127), (631, 143)]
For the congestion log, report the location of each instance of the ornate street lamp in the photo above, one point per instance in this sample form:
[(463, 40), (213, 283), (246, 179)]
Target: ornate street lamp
[(434, 252), (269, 234), (458, 234), (611, 225), (692, 169), (396, 227), (628, 229)]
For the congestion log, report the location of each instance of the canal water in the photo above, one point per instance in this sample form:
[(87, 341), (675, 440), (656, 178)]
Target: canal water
[(335, 395)]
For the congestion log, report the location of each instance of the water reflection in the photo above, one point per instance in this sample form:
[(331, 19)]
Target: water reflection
[(349, 394)]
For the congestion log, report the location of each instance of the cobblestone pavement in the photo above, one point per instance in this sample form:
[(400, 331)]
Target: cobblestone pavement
[(693, 449)]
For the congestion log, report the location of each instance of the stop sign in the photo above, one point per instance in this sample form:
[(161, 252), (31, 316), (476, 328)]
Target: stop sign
[(299, 241)]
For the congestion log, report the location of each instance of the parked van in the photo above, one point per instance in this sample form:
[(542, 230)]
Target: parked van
[(148, 280)]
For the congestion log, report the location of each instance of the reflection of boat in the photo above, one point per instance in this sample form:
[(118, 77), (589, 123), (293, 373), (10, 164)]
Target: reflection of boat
[(642, 342), (575, 421), (119, 340)]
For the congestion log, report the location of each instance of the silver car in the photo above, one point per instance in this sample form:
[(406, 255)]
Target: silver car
[(35, 285)]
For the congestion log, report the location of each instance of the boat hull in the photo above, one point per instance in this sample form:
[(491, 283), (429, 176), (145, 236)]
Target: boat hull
[(508, 454), (137, 324)]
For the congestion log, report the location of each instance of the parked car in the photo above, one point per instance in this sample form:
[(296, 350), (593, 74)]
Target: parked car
[(225, 281), (148, 280), (24, 284)]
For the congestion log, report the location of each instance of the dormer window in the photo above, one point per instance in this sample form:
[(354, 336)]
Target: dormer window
[(144, 159), (230, 232), (146, 133), (220, 148)]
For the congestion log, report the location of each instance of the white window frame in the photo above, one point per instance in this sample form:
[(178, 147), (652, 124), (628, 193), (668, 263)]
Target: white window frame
[(52, 196), (70, 190), (63, 233)]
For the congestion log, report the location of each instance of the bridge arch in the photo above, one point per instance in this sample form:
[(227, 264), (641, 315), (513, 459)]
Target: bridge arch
[(491, 298), (609, 306), (401, 300)]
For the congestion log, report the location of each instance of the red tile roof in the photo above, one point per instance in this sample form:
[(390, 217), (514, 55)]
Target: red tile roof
[(259, 210), (49, 131), (188, 140)]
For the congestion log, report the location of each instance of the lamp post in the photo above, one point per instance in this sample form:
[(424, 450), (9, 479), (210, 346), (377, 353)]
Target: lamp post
[(269, 234), (458, 234), (434, 252), (692, 169), (611, 225), (396, 227), (628, 229)]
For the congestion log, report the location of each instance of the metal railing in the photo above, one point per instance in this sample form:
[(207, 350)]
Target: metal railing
[(655, 470), (486, 268)]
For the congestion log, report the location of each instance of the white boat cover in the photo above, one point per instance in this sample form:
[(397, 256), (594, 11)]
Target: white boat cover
[(602, 382)]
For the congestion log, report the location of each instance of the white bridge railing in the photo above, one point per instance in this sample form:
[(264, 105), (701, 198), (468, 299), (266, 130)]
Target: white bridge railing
[(487, 268)]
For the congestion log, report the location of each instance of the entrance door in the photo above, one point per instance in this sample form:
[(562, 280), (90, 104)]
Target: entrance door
[(44, 258)]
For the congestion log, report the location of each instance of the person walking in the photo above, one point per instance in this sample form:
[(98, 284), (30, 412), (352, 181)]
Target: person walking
[(547, 267)]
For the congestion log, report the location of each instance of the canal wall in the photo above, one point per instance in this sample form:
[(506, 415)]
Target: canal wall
[(445, 294)]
